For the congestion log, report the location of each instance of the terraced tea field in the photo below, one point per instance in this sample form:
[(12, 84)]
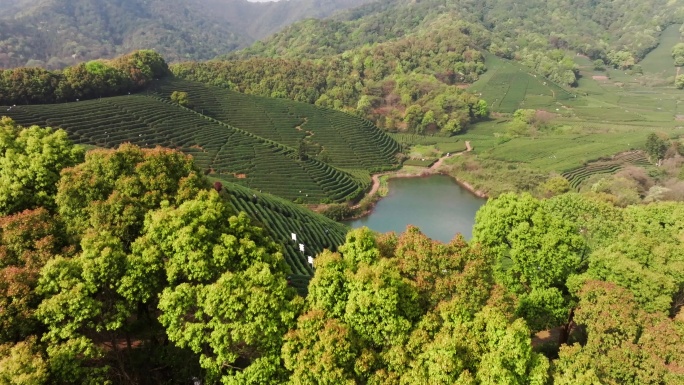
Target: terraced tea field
[(281, 218), (220, 149), (508, 86), (563, 152), (347, 141), (606, 166)]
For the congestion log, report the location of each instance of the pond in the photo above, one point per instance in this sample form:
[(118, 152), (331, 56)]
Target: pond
[(436, 204)]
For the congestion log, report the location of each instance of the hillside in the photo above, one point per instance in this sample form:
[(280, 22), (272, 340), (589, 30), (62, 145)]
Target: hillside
[(341, 140), (56, 33), (293, 151), (280, 218), (407, 65), (628, 29)]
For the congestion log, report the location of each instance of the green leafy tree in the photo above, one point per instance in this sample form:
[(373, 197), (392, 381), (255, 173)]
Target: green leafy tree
[(656, 147), (621, 59), (181, 97), (428, 120), (442, 272), (544, 308), (679, 82), (227, 297), (624, 344), (678, 54), (541, 247), (482, 109), (413, 117), (555, 185), (90, 299), (537, 250), (325, 351), (22, 364), (82, 308), (30, 162), (599, 65), (526, 116), (408, 310), (645, 258), (113, 190)]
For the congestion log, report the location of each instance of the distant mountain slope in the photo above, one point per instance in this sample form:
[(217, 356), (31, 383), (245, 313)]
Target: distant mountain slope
[(619, 31), (55, 33)]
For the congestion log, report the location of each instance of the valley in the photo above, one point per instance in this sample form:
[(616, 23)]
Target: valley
[(179, 213)]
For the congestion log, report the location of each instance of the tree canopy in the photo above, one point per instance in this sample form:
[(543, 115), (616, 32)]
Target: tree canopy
[(98, 78), (30, 162), (133, 270)]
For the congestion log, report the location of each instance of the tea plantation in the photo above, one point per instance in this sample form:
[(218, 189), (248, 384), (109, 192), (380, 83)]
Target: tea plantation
[(347, 141), (281, 218), (261, 156)]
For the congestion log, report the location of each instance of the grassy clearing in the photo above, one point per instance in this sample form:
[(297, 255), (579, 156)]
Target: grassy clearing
[(420, 151), (659, 61), (508, 86), (451, 148), (425, 162)]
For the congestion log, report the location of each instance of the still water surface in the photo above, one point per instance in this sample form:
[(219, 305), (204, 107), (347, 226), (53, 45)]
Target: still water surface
[(438, 205)]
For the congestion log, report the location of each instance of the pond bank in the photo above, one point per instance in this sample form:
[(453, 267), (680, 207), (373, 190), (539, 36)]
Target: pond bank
[(367, 204), (436, 204)]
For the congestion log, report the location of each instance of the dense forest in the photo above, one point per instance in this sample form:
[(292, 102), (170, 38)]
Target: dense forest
[(124, 266), (626, 29), (403, 64), (88, 80), (57, 33)]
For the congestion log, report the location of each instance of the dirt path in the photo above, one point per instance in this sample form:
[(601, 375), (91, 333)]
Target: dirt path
[(376, 183), (435, 166)]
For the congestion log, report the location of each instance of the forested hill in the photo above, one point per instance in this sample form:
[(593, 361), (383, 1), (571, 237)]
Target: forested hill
[(619, 32), (56, 33), (406, 65)]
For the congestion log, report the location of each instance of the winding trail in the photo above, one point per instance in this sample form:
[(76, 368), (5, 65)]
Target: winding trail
[(435, 166)]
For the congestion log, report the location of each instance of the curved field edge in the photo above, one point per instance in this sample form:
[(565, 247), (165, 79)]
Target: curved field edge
[(337, 138), (281, 219), (218, 148)]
